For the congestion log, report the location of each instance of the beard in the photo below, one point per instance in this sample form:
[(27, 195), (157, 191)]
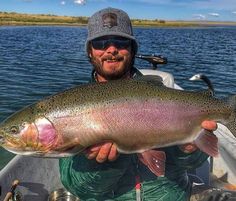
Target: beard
[(121, 72)]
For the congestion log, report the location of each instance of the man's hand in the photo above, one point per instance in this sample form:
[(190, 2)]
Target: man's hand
[(190, 147), (102, 152)]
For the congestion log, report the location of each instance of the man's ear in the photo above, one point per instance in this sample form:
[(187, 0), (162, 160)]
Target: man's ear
[(90, 55), (89, 51)]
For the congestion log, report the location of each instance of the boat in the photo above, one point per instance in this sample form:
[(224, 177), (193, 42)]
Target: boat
[(39, 177)]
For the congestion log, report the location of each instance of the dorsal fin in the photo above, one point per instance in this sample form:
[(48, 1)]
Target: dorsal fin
[(153, 79), (207, 92)]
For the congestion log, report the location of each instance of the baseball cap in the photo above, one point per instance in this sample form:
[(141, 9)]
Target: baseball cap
[(110, 21)]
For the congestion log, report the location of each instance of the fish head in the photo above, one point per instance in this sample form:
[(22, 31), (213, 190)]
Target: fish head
[(16, 137), (26, 135)]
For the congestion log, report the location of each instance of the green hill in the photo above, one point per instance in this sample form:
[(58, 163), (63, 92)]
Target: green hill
[(12, 18)]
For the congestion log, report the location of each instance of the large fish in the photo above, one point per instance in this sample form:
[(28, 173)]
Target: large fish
[(137, 115)]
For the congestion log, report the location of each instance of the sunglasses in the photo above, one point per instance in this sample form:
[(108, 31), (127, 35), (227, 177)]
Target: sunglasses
[(102, 44)]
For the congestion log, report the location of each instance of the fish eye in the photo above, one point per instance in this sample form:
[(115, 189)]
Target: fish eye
[(14, 129), (24, 124)]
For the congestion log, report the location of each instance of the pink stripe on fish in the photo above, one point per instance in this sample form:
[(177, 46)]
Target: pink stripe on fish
[(159, 122), (149, 114)]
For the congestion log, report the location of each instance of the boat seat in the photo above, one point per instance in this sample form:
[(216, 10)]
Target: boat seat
[(168, 79)]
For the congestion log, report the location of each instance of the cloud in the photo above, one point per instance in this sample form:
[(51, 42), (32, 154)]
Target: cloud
[(199, 16), (214, 14), (63, 2), (234, 12), (80, 2)]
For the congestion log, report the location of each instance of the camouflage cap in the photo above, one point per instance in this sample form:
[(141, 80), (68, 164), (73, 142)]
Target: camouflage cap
[(110, 21)]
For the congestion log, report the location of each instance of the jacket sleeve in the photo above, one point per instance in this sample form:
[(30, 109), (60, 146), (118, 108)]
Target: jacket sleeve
[(87, 178), (185, 160)]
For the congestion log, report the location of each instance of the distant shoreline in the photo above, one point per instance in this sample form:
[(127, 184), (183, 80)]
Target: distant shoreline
[(18, 19)]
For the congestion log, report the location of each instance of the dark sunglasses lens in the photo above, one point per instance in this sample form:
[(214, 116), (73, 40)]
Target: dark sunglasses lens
[(122, 43), (98, 44), (103, 44)]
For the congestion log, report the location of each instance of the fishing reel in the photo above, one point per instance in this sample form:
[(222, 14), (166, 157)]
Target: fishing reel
[(153, 59)]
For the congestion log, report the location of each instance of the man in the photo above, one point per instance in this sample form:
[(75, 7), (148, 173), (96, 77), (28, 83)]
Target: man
[(103, 174)]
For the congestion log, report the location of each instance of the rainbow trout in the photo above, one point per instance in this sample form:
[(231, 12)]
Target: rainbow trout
[(137, 115)]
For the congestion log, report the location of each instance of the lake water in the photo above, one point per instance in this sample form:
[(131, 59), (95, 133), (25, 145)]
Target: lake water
[(39, 61)]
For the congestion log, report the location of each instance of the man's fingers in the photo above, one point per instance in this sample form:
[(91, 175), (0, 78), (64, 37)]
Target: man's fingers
[(209, 125), (188, 148), (113, 153), (96, 147), (91, 155), (104, 152), (92, 151)]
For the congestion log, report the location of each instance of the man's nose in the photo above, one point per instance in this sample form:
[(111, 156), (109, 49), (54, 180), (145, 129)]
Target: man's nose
[(112, 49)]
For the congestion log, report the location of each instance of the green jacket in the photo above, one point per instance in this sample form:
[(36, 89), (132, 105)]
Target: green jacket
[(92, 181)]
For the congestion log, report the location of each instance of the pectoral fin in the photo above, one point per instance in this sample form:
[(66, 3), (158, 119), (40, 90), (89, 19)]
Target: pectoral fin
[(154, 160)]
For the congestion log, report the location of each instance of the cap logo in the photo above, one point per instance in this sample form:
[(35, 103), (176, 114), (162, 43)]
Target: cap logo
[(109, 20)]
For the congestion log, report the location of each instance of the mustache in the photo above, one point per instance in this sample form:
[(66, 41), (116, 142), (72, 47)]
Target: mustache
[(111, 57)]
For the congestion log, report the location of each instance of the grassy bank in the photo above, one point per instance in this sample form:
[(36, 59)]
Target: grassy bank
[(29, 19), (12, 18)]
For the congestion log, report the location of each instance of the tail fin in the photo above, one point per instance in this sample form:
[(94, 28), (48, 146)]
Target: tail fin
[(231, 125)]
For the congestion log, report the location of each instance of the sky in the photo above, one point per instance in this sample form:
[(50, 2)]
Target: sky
[(214, 10)]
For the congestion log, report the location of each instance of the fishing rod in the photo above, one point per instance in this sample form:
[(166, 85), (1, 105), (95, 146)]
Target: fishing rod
[(153, 59)]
